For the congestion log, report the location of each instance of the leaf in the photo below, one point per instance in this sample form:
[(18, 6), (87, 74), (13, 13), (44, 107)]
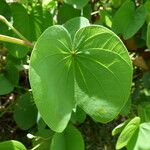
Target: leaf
[(140, 141), (126, 24), (21, 23), (146, 80), (128, 132), (70, 139), (78, 116), (127, 107), (73, 25), (12, 145), (63, 14), (12, 73), (93, 71), (40, 19), (144, 112), (77, 3), (119, 128), (6, 12), (148, 36), (43, 139), (25, 108), (5, 85)]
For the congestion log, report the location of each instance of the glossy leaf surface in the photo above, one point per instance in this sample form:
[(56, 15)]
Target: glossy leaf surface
[(93, 71)]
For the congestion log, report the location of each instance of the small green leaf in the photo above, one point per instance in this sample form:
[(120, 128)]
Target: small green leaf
[(127, 133), (119, 128), (77, 3), (78, 116), (12, 73), (43, 139), (73, 25), (25, 108), (5, 85), (140, 141), (12, 145), (70, 139), (126, 24)]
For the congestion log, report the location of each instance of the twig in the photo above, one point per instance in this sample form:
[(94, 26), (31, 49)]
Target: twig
[(9, 39), (3, 19)]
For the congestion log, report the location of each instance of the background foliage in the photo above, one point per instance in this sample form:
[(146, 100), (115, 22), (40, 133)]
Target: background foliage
[(19, 118)]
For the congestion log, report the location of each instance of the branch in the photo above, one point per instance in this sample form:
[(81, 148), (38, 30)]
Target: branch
[(9, 39), (3, 19)]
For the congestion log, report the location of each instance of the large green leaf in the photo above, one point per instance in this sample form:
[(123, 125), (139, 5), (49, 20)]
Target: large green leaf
[(77, 3), (70, 139), (93, 71), (12, 145), (140, 140), (126, 24), (23, 109), (127, 133)]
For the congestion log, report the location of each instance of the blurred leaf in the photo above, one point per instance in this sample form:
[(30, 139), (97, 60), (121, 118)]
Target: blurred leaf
[(78, 116), (64, 15), (146, 80), (106, 18), (5, 85), (127, 107), (40, 19), (25, 112), (6, 12), (147, 6), (74, 24), (77, 3), (140, 140), (126, 24), (119, 128), (43, 139), (128, 132), (144, 112), (70, 139), (148, 36), (12, 73), (12, 145), (21, 23)]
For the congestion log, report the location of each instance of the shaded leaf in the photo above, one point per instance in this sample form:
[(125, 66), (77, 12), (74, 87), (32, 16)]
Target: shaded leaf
[(126, 24), (12, 145), (70, 139), (25, 112), (5, 85)]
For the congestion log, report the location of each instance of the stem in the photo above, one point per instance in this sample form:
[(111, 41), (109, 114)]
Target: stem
[(3, 19), (9, 39)]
